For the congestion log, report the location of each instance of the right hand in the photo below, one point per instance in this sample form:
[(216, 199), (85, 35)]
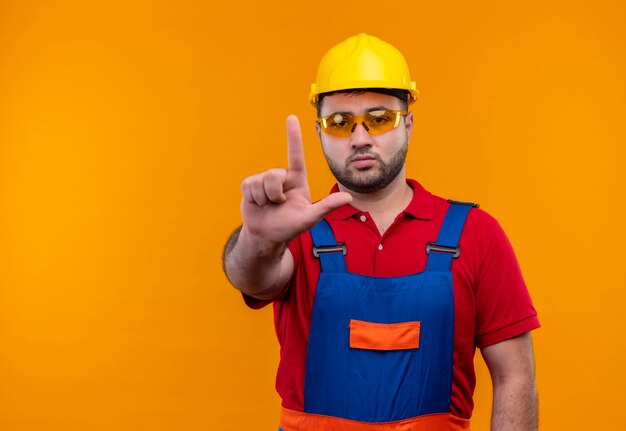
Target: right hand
[(276, 204)]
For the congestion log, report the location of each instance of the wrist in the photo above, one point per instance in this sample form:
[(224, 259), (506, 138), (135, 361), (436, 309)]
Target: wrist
[(261, 246)]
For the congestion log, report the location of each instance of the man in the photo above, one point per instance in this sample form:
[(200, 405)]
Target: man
[(381, 291)]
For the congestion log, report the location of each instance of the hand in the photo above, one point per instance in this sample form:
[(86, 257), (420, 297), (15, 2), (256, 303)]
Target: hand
[(276, 204)]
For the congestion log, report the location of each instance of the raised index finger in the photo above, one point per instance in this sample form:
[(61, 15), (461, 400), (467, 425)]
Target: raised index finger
[(295, 150)]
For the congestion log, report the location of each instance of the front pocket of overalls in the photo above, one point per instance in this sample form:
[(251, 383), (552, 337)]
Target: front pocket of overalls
[(384, 336), (383, 370)]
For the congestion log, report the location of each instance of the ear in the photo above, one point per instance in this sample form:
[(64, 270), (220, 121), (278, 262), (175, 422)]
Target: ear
[(408, 124), (318, 129)]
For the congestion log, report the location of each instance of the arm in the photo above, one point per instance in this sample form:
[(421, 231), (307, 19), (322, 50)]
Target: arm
[(275, 207), (511, 365), (261, 274)]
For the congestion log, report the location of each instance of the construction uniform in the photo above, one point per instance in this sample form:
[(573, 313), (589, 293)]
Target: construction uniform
[(383, 336)]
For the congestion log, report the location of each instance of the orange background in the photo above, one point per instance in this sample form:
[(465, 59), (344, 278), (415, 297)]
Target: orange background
[(126, 127)]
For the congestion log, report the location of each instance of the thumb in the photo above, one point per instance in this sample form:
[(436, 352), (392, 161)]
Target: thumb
[(331, 202)]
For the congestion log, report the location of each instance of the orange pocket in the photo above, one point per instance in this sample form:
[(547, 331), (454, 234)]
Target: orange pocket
[(384, 336)]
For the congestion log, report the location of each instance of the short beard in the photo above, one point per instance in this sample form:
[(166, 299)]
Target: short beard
[(388, 172)]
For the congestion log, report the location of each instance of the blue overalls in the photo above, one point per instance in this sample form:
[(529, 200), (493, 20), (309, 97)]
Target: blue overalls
[(380, 349)]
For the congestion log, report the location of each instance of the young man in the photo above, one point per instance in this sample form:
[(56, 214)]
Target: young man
[(381, 291)]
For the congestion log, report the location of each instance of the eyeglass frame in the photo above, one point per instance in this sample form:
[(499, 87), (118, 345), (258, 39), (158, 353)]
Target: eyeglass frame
[(360, 119)]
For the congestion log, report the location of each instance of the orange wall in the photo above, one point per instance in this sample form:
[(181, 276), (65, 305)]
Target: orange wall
[(126, 127)]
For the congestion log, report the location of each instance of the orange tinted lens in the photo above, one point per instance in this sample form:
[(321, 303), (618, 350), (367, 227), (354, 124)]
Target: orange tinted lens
[(338, 124), (381, 121)]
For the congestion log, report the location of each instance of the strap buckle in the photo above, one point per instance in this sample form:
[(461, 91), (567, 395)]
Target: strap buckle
[(454, 251), (339, 247), (471, 204)]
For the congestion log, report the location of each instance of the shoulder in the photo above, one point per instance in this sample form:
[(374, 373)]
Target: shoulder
[(482, 223), (482, 234), (477, 220)]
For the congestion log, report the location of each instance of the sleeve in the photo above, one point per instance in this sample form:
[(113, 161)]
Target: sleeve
[(257, 304), (504, 308)]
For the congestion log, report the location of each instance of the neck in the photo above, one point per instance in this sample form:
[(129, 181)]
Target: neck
[(383, 205)]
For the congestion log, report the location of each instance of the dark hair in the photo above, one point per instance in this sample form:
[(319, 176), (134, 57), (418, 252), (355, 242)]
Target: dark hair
[(403, 95)]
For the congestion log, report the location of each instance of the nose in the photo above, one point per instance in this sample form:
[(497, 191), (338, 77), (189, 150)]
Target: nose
[(360, 136)]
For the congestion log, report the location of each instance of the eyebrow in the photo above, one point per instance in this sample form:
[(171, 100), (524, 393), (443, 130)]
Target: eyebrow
[(379, 108), (370, 109)]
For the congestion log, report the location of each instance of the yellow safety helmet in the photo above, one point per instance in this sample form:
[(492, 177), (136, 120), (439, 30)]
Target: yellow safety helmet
[(363, 61)]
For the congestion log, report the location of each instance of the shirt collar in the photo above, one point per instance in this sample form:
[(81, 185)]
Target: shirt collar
[(420, 207)]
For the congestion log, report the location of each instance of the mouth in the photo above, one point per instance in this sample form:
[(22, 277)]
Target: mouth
[(362, 161)]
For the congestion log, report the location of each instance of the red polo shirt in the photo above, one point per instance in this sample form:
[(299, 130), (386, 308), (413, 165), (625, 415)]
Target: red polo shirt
[(491, 301)]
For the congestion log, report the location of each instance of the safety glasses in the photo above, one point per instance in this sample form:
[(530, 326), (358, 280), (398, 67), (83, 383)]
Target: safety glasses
[(375, 122)]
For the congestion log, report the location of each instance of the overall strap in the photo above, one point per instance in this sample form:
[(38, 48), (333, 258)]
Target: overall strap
[(441, 252), (327, 249)]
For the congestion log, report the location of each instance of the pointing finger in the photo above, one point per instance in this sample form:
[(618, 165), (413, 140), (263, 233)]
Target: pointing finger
[(295, 151)]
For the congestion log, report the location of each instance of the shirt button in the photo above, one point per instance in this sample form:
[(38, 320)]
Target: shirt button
[(362, 218), (380, 246)]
